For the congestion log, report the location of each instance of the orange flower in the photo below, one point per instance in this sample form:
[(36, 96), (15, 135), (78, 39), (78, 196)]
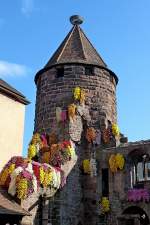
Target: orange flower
[(90, 134)]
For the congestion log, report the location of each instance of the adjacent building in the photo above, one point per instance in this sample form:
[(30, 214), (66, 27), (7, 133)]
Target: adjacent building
[(12, 113)]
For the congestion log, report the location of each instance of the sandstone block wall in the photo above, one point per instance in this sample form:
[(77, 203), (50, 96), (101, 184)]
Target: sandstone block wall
[(55, 92)]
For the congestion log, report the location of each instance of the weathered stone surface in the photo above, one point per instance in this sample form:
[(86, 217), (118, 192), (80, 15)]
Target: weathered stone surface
[(55, 92), (76, 128)]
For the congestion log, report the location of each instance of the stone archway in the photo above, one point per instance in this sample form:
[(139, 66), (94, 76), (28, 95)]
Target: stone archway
[(134, 215)]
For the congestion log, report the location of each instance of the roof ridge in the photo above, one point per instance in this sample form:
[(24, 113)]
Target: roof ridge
[(83, 50), (92, 46), (68, 38)]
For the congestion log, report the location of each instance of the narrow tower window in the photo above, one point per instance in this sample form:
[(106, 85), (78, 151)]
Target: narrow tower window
[(89, 70), (60, 72)]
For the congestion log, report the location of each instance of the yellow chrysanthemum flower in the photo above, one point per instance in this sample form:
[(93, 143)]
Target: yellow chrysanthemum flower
[(115, 130), (22, 188), (105, 205), (86, 166), (77, 93), (42, 175), (120, 161), (112, 163), (32, 151)]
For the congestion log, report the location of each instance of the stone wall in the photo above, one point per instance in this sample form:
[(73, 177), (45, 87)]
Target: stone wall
[(119, 183), (77, 202), (55, 92)]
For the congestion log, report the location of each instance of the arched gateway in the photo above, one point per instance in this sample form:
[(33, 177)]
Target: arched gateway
[(133, 215)]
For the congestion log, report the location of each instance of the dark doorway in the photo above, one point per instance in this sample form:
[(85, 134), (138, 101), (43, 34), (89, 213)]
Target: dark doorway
[(134, 210), (105, 183), (10, 219)]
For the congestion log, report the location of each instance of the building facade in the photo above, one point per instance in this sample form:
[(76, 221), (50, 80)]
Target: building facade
[(12, 112)]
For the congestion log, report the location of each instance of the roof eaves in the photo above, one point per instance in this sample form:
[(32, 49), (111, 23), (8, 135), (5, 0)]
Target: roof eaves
[(13, 95), (45, 69)]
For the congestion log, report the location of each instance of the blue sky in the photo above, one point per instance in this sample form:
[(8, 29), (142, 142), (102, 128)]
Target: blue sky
[(31, 30)]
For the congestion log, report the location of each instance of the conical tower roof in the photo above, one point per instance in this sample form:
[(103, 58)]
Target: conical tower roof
[(75, 48)]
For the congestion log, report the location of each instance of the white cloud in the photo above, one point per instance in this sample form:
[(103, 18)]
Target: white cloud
[(8, 69), (27, 7)]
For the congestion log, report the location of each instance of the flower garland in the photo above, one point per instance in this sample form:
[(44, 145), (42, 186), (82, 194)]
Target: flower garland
[(116, 162), (104, 205)]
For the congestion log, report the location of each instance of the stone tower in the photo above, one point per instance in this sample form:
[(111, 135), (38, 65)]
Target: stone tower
[(76, 63)]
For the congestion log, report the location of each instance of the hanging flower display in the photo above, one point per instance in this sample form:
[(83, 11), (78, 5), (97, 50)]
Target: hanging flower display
[(24, 180), (104, 205), (63, 116), (86, 166), (52, 138), (36, 139), (5, 175), (90, 134), (23, 176), (45, 156), (136, 195), (58, 114), (72, 111), (32, 151), (116, 162), (82, 96), (115, 130), (106, 135), (120, 161), (44, 140), (77, 93), (112, 163)]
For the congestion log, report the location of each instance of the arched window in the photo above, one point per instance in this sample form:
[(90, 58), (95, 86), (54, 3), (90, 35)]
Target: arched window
[(134, 210), (140, 168)]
